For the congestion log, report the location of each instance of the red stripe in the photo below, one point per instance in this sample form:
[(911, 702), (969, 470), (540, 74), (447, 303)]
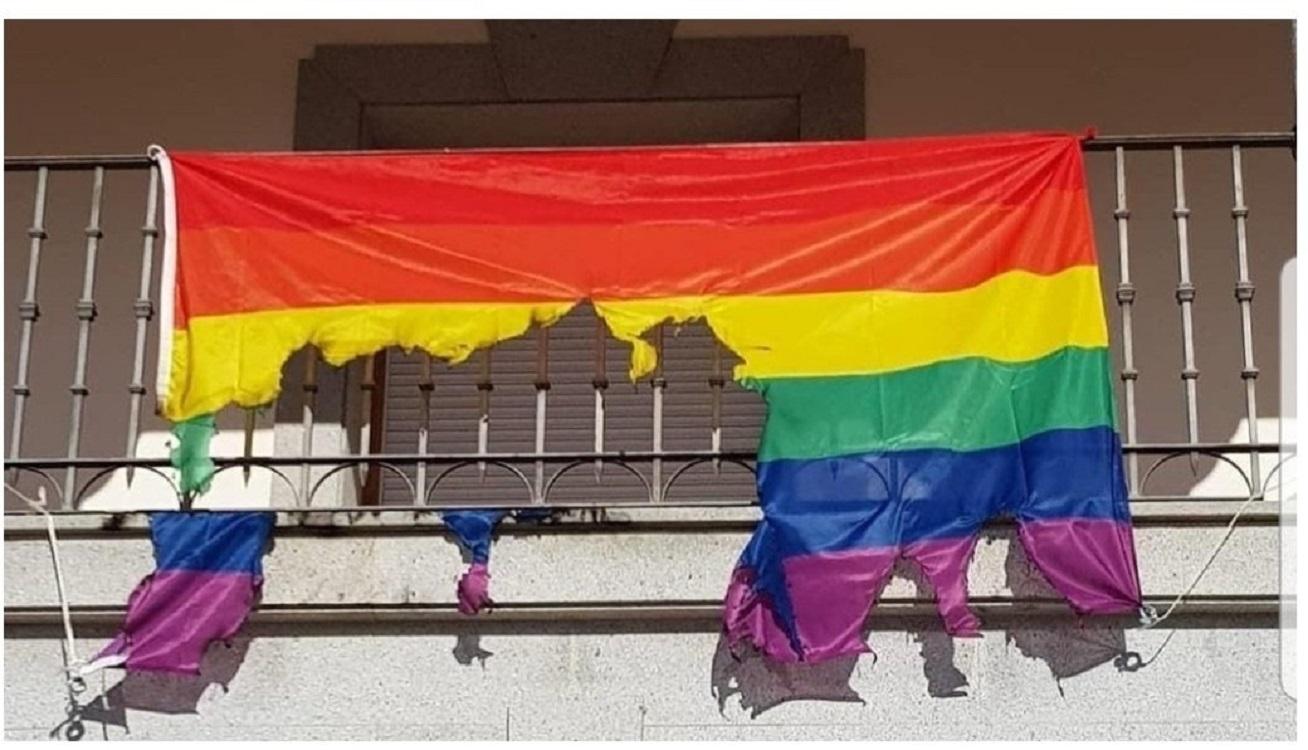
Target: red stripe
[(922, 247), (736, 185)]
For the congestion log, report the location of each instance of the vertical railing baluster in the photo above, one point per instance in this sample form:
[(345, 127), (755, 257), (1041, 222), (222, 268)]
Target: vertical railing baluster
[(367, 387), (716, 381), (28, 312), (310, 390), (659, 383), (1244, 292), (1185, 293), (425, 386), (484, 388), (1126, 301), (85, 317), (143, 309), (247, 443), (600, 383), (542, 394)]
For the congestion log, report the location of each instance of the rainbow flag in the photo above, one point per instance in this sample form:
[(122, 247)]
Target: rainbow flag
[(922, 316), (208, 575)]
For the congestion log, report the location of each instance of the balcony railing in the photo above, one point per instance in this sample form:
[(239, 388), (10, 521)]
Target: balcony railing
[(419, 478)]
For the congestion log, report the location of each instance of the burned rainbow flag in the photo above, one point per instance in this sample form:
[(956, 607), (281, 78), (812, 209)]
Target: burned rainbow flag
[(208, 575), (922, 316)]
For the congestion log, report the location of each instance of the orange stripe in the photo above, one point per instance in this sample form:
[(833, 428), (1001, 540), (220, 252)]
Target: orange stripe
[(921, 247)]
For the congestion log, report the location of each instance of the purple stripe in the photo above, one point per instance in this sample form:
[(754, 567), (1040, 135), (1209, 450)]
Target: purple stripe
[(748, 615), (945, 561), (1089, 561), (831, 594), (474, 589), (173, 616)]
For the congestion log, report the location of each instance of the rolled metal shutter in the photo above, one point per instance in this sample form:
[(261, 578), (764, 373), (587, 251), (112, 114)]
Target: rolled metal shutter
[(629, 418)]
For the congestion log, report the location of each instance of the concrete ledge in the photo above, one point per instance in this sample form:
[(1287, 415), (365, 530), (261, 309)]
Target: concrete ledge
[(536, 565)]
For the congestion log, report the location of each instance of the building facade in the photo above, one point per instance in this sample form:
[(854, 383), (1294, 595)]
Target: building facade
[(607, 619)]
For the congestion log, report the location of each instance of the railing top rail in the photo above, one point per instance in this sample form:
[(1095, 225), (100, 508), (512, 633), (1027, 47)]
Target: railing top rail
[(1166, 141), (1133, 142), (58, 163)]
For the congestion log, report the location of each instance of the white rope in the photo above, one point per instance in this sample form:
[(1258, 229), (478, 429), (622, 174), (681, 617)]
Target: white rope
[(73, 666), (167, 275), (1149, 617)]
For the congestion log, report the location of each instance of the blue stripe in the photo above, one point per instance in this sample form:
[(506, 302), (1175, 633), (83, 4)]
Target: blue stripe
[(891, 498), (761, 556), (232, 542), (474, 528)]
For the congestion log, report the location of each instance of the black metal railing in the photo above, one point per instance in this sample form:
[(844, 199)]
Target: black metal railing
[(72, 476)]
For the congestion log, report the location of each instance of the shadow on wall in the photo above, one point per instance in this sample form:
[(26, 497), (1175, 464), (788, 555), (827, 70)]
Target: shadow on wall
[(156, 693), (1067, 647), (763, 684), (1068, 650)]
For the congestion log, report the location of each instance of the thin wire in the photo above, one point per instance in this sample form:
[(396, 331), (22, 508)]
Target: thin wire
[(1149, 617)]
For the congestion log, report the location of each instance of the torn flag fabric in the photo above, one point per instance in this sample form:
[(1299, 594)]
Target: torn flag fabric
[(923, 318), (208, 575), (473, 528)]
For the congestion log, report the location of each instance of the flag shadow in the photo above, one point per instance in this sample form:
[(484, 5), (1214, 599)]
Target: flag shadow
[(1068, 646), (155, 692)]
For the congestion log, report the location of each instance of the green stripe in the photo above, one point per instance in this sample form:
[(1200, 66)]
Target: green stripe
[(964, 404), (191, 454)]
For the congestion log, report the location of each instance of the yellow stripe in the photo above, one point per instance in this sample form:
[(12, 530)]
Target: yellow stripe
[(1014, 317), (224, 359)]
